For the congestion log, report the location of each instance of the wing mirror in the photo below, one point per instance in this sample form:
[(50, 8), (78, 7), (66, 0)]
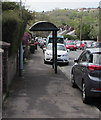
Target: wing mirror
[(76, 60), (44, 49)]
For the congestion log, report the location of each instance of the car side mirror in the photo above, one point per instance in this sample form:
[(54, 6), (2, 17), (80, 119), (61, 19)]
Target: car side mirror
[(44, 49), (76, 60)]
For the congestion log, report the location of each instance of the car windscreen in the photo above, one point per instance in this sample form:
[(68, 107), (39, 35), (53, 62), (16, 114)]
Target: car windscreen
[(49, 47), (88, 43), (59, 40), (61, 47), (70, 43)]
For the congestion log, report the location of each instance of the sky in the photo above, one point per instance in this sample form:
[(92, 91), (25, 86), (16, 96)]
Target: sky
[(48, 5)]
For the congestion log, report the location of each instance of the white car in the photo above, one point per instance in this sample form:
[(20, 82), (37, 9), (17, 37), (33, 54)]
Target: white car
[(62, 54)]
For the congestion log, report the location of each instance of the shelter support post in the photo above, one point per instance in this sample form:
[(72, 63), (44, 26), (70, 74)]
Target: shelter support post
[(55, 56), (53, 48)]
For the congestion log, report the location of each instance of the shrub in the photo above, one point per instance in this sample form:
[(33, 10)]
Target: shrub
[(70, 37), (9, 6), (12, 30), (14, 23)]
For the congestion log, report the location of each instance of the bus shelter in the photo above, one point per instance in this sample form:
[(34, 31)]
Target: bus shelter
[(47, 26)]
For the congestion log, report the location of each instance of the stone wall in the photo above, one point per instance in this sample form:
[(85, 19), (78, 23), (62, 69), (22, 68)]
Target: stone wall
[(9, 67), (5, 69), (1, 82), (12, 68)]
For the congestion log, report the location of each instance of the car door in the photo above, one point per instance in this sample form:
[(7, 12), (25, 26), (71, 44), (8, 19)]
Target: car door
[(80, 68), (77, 68)]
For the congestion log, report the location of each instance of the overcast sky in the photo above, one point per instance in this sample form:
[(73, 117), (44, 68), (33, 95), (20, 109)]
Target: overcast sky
[(47, 5)]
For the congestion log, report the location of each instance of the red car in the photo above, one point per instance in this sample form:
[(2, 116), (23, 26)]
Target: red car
[(82, 45), (71, 46)]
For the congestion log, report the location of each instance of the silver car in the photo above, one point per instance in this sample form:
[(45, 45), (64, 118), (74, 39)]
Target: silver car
[(86, 73)]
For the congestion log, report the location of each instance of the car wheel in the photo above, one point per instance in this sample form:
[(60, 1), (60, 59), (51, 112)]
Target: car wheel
[(45, 62), (67, 63), (73, 81), (85, 98)]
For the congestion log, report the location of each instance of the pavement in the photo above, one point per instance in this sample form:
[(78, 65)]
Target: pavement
[(35, 74), (40, 93)]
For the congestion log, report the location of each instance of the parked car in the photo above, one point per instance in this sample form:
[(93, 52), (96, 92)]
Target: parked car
[(60, 39), (71, 46), (88, 43), (62, 54), (82, 45), (96, 44), (78, 44), (86, 73)]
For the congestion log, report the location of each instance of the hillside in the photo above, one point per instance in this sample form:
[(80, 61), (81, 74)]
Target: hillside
[(85, 21)]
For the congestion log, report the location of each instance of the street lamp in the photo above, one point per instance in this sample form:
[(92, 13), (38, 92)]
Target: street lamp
[(20, 49)]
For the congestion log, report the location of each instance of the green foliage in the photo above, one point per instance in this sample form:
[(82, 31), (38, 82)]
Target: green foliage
[(70, 37), (26, 16), (13, 26), (9, 6), (61, 17), (94, 32), (86, 28)]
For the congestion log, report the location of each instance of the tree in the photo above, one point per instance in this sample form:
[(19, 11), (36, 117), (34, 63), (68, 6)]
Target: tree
[(62, 17), (10, 6), (14, 23)]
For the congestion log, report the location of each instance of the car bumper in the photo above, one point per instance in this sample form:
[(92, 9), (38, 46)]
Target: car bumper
[(59, 60), (94, 86), (71, 48)]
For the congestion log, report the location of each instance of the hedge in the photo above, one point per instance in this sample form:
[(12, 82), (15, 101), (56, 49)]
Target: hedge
[(13, 27), (70, 37)]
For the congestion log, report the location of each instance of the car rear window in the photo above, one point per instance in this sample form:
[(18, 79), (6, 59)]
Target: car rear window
[(97, 59)]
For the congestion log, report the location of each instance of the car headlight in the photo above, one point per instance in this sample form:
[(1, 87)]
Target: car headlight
[(64, 55), (48, 53)]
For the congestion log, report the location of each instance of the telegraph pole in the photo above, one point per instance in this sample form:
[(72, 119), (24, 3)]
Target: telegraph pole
[(99, 36), (81, 28)]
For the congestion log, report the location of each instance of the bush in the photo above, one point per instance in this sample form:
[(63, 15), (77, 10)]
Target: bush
[(14, 23), (9, 6), (12, 30), (70, 37)]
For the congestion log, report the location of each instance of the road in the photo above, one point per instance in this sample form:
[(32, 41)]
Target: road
[(41, 93), (72, 56)]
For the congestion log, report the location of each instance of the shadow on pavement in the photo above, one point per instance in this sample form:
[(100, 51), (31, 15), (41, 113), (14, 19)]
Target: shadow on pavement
[(96, 102)]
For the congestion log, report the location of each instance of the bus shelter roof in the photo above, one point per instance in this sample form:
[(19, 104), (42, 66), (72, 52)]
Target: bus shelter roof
[(43, 26)]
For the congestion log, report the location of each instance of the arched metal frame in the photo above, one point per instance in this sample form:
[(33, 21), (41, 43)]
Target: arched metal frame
[(47, 26)]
